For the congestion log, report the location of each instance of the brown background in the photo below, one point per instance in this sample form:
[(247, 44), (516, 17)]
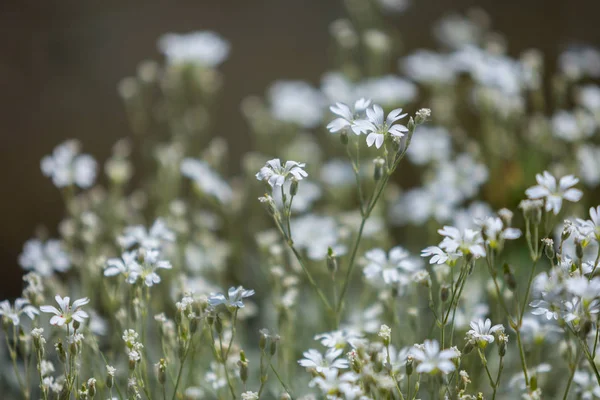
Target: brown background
[(60, 62)]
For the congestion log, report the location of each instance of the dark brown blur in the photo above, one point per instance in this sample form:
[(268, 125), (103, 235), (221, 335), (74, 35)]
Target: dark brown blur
[(60, 62)]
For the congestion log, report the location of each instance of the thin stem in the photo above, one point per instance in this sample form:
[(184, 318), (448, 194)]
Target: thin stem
[(573, 368), (522, 356)]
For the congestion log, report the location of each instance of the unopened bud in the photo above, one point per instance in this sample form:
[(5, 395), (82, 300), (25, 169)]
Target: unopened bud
[(294, 187), (274, 341), (218, 325), (578, 249), (344, 138), (264, 337), (162, 371), (533, 383), (409, 365), (509, 277), (332, 263), (379, 164), (444, 293)]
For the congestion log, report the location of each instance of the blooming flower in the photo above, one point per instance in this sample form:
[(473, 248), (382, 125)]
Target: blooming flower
[(314, 359), (206, 179), (554, 194), (296, 102), (432, 360), (250, 395), (337, 339), (205, 48), (482, 332), (389, 268), (145, 269), (376, 128), (277, 173), (148, 239), (347, 116), (67, 312), (591, 226), (44, 257), (467, 241), (13, 313), (120, 266), (439, 256), (67, 167), (234, 298), (495, 233)]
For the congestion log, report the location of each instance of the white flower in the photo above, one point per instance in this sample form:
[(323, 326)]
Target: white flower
[(276, 173), (250, 395), (439, 256), (206, 179), (314, 359), (554, 194), (13, 313), (234, 298), (579, 62), (67, 167), (315, 234), (205, 48), (482, 332), (337, 386), (296, 102), (426, 66), (495, 233), (389, 90), (337, 339), (572, 127), (467, 241), (591, 226), (44, 257), (121, 266), (588, 157), (145, 269), (377, 128), (337, 173), (385, 332), (390, 268), (583, 288), (149, 239), (429, 144), (395, 6), (587, 385), (67, 312), (347, 116), (589, 97), (542, 307), (432, 360)]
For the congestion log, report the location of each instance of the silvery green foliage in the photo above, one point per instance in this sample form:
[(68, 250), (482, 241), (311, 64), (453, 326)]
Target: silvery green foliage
[(375, 262)]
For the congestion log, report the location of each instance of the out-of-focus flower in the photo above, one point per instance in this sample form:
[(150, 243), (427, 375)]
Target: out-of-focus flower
[(44, 257), (206, 179), (150, 239), (234, 298), (392, 268), (296, 102), (347, 116), (66, 166), (432, 360), (314, 359), (14, 312), (204, 47)]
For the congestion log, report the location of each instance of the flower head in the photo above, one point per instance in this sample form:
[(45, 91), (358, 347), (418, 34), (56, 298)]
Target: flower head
[(482, 332), (205, 48), (432, 360), (376, 127), (347, 116), (392, 267), (548, 189), (149, 239), (67, 167), (13, 313), (234, 298), (314, 359), (44, 257), (67, 312), (276, 173)]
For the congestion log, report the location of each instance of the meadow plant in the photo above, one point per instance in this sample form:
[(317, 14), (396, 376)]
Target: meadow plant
[(354, 254)]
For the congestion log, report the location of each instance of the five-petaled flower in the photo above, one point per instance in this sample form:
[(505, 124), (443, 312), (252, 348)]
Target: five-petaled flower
[(377, 128), (346, 116), (67, 312), (548, 189), (234, 298), (432, 360), (277, 173), (13, 313)]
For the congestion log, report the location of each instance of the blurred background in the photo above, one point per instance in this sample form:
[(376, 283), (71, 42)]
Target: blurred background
[(60, 62)]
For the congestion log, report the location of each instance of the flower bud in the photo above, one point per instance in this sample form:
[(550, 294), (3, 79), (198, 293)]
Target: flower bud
[(533, 383), (273, 347), (578, 249), (243, 364), (444, 293), (332, 264), (60, 350), (161, 371), (91, 386), (379, 164), (509, 277), (294, 187), (422, 116), (344, 138), (76, 324), (549, 248), (264, 337), (218, 325), (409, 365)]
